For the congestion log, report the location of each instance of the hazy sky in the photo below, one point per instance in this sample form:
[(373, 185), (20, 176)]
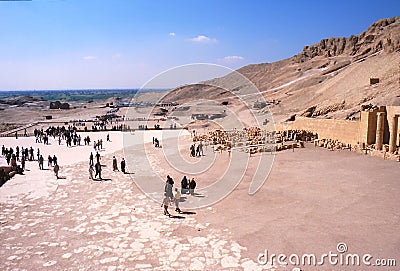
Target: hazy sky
[(74, 44)]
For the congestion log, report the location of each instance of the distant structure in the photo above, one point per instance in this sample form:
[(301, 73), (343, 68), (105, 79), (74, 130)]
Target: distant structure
[(59, 105), (208, 116), (378, 127), (145, 104)]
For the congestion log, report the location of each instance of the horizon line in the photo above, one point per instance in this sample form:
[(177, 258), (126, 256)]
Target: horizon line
[(75, 89)]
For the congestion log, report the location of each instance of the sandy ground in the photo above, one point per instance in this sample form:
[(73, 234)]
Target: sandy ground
[(312, 200)]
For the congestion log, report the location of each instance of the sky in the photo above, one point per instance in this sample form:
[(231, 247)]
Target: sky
[(96, 44)]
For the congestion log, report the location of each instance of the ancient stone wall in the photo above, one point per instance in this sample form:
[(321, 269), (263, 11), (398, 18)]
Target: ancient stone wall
[(343, 130), (353, 132)]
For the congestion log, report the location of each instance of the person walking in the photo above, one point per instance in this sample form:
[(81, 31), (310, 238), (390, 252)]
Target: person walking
[(97, 168), (177, 199), (91, 163), (56, 169), (41, 160), (49, 161), (91, 170), (123, 165), (98, 157), (200, 147), (168, 187), (166, 202), (115, 166), (184, 185), (192, 186), (23, 163)]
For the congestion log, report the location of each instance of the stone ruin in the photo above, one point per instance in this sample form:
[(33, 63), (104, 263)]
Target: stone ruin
[(59, 105)]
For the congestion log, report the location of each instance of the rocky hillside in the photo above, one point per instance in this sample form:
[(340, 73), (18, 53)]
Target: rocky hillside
[(330, 79), (382, 35)]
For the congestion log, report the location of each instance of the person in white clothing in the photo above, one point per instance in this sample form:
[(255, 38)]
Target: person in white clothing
[(177, 199)]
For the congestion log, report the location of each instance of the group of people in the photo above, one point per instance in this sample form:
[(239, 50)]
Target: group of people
[(69, 134), (115, 164), (98, 145), (24, 154), (171, 197), (97, 167), (196, 151), (156, 142), (11, 158)]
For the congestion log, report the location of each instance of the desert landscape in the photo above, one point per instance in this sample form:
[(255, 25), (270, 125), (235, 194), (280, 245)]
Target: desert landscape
[(296, 164)]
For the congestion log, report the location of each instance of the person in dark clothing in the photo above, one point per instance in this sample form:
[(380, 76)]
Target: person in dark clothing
[(41, 160), (193, 150), (192, 186), (97, 168), (91, 163), (115, 164), (123, 165), (23, 163), (49, 161), (184, 185), (98, 157)]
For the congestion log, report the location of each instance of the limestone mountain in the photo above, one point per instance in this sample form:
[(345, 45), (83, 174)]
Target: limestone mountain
[(329, 79)]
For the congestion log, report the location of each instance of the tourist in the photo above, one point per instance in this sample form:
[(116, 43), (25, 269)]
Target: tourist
[(41, 160), (98, 157), (91, 172), (8, 158), (192, 186), (184, 185), (193, 150), (56, 169), (168, 187), (49, 161), (97, 168), (177, 199), (123, 165), (54, 159), (17, 152), (166, 202), (13, 162), (200, 149), (91, 163), (115, 167), (23, 163)]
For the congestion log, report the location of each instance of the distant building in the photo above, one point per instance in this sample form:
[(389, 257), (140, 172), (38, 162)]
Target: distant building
[(59, 105)]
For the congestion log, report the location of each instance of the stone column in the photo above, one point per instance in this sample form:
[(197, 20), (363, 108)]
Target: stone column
[(393, 134), (379, 130)]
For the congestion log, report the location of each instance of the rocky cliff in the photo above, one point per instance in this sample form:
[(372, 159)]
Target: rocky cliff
[(381, 35), (329, 79)]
